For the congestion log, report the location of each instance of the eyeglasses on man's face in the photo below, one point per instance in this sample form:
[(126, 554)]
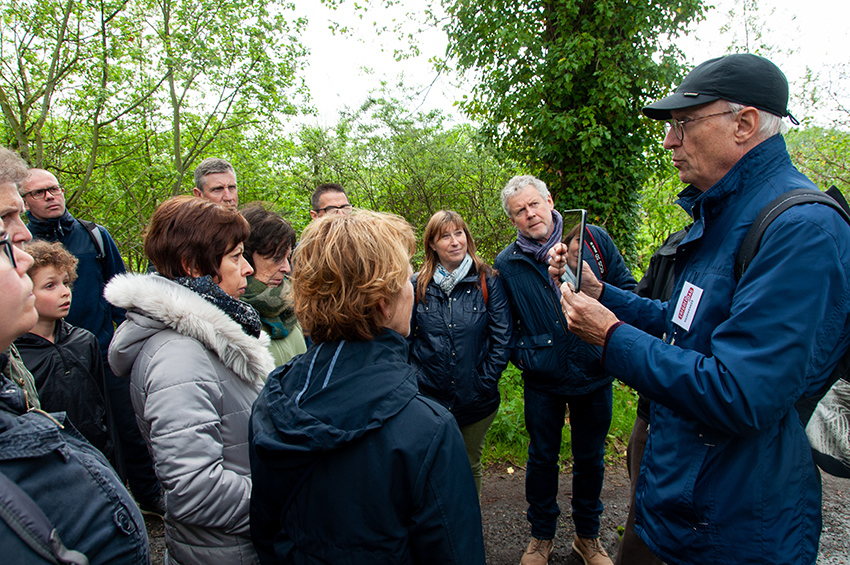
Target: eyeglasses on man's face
[(345, 209), (678, 126), (9, 250), (40, 193)]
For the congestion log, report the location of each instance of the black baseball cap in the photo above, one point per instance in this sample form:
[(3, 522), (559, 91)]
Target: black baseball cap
[(741, 78)]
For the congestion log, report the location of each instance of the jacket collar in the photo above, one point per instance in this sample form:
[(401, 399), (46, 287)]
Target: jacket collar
[(50, 230), (762, 158), (187, 313)]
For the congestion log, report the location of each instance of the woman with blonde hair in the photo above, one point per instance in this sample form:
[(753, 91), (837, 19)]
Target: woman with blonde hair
[(461, 331), (350, 464)]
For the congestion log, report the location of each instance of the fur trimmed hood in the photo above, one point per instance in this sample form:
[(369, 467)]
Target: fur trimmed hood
[(189, 314)]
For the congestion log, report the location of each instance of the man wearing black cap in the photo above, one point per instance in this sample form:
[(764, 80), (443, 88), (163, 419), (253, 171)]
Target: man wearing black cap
[(727, 475)]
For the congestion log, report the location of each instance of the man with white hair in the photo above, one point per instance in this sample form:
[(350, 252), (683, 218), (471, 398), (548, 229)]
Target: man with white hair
[(559, 371), (727, 475)]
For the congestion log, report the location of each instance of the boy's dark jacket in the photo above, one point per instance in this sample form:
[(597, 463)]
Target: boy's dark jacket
[(69, 377), (386, 479)]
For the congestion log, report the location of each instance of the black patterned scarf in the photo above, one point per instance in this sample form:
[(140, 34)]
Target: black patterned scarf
[(240, 312)]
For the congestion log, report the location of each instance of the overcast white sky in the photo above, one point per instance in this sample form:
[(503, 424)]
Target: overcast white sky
[(344, 69)]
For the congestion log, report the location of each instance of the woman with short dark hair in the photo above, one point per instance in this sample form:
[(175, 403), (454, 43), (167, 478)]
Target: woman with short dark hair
[(197, 358), (267, 250), (350, 463)]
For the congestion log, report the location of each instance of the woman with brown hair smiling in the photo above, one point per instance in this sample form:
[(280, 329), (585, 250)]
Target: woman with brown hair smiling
[(461, 331)]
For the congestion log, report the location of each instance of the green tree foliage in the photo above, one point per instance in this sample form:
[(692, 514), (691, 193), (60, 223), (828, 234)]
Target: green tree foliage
[(559, 86), (823, 155), (411, 164), (122, 98)]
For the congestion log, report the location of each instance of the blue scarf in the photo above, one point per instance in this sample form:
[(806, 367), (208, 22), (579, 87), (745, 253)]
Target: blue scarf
[(447, 281)]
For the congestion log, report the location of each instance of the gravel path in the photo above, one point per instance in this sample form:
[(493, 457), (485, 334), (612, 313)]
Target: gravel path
[(506, 531)]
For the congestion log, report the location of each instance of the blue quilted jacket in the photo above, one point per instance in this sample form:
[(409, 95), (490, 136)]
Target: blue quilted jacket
[(551, 358)]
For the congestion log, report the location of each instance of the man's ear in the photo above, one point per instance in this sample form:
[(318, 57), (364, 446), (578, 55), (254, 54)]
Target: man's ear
[(26, 206), (748, 121), (197, 192)]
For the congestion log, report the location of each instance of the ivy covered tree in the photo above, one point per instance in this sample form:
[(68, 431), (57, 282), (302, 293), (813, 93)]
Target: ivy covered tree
[(559, 84)]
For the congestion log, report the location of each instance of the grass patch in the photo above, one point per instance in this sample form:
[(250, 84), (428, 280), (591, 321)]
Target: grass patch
[(507, 439)]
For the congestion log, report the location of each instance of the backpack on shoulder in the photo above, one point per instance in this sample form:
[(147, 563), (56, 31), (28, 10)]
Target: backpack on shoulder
[(826, 414), (96, 238)]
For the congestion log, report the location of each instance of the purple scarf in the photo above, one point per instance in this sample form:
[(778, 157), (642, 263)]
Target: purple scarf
[(540, 251)]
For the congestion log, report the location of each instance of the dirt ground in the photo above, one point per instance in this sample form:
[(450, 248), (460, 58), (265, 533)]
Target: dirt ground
[(506, 531)]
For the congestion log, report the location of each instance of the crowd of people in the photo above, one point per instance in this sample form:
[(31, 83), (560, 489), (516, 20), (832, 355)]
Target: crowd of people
[(278, 398)]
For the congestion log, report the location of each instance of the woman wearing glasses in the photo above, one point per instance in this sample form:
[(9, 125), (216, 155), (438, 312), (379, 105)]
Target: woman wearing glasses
[(460, 331), (196, 358), (267, 250)]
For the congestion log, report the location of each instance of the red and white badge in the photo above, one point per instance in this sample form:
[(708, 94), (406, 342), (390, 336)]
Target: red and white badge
[(686, 306)]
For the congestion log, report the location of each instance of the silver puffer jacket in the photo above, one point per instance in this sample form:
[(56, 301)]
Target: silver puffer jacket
[(194, 376)]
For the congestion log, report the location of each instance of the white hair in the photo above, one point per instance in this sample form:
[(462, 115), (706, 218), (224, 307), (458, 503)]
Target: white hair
[(769, 124), (518, 184)]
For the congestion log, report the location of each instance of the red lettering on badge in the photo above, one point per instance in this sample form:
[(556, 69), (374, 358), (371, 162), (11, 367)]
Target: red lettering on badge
[(685, 301)]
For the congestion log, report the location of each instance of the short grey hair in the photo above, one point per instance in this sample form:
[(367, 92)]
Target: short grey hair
[(769, 124), (13, 169), (517, 184), (211, 166)]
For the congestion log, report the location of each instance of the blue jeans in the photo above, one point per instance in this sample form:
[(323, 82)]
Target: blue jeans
[(590, 418)]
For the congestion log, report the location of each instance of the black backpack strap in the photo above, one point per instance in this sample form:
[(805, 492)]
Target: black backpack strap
[(25, 518), (752, 241), (96, 238), (597, 254)]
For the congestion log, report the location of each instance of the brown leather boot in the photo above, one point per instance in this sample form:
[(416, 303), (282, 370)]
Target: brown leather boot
[(538, 552), (591, 551)]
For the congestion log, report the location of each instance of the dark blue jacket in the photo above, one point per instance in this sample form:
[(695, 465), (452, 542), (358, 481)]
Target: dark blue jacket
[(377, 472), (71, 483), (551, 358), (89, 309), (727, 475), (68, 375), (460, 346)]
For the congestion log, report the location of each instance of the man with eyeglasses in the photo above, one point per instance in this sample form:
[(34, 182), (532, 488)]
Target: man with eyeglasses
[(727, 475), (215, 180), (13, 171), (329, 198), (99, 260)]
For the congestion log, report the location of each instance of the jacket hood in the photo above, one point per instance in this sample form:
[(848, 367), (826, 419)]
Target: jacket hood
[(155, 303), (329, 397)]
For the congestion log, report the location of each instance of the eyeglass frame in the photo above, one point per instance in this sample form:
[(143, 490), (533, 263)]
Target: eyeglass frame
[(55, 190), (328, 209), (9, 249), (679, 125)]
